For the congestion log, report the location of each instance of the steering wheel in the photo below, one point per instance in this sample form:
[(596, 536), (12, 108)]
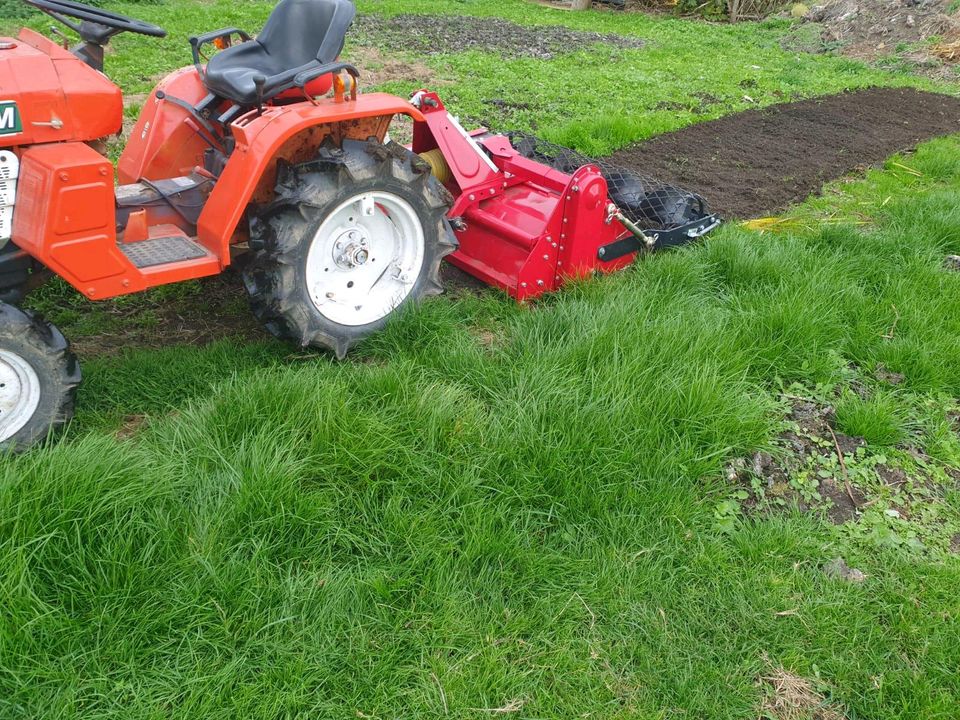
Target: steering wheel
[(62, 9)]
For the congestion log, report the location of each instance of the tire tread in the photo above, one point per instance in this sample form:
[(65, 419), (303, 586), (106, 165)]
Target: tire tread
[(60, 369), (302, 191)]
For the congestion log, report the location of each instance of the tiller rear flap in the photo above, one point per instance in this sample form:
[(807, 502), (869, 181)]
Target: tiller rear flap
[(529, 214)]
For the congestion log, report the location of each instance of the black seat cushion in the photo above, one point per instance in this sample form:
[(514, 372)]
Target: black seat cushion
[(299, 35)]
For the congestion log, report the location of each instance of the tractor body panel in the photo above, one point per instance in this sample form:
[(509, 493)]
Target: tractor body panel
[(47, 95), (65, 213)]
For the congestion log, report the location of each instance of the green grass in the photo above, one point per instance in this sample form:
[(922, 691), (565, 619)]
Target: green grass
[(446, 525), (528, 521), (877, 419)]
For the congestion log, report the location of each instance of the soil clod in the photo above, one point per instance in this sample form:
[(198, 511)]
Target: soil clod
[(887, 376)]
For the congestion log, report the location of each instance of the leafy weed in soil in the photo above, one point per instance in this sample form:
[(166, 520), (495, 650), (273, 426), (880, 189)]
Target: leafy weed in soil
[(890, 495), (437, 35)]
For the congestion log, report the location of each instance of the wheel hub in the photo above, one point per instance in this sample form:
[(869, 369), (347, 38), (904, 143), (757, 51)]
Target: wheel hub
[(351, 249), (19, 393)]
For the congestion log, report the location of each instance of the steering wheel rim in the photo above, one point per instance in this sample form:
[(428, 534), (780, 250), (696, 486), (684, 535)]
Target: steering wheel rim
[(88, 13)]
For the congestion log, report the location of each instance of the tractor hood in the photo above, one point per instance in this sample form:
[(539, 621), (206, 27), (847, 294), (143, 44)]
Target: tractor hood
[(48, 95)]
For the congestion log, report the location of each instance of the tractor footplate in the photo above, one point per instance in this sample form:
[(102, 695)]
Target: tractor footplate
[(162, 251)]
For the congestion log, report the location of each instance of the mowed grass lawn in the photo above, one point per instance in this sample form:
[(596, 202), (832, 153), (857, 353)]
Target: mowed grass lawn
[(500, 510)]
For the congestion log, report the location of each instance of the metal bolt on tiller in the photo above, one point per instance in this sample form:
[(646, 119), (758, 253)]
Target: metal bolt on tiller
[(615, 213)]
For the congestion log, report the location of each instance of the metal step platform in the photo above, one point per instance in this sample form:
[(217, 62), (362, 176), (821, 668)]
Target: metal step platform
[(162, 251)]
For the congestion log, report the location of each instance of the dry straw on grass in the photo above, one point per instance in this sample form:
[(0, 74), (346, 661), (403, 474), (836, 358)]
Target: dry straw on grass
[(791, 697), (949, 50)]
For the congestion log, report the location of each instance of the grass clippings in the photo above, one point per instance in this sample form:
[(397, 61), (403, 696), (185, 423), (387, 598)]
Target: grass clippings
[(788, 696)]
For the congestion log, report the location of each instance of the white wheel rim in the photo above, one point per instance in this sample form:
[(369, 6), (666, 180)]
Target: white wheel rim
[(365, 258), (19, 393)]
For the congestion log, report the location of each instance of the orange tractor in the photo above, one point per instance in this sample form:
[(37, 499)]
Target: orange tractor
[(267, 148)]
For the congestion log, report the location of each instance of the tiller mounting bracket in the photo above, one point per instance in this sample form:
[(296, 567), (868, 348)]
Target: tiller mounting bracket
[(658, 239)]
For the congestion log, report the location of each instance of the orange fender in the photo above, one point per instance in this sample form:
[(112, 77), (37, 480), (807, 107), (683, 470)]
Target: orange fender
[(289, 132), (165, 142)]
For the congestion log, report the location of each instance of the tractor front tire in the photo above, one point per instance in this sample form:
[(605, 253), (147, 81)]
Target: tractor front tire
[(38, 379), (350, 238)]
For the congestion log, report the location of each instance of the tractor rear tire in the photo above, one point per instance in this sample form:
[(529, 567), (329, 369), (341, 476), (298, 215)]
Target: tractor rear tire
[(38, 379), (350, 238)]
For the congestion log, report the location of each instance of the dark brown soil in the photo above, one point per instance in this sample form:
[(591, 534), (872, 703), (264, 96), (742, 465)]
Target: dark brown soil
[(218, 310), (758, 162)]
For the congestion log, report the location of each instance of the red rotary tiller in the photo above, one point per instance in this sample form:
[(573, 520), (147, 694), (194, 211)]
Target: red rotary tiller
[(529, 214)]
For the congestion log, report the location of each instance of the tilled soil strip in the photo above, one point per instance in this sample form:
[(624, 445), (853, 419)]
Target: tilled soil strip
[(756, 163), (439, 34)]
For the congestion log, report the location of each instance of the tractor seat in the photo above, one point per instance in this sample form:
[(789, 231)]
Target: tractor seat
[(299, 35)]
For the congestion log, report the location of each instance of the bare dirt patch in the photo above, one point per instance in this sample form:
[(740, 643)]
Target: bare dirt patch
[(217, 310), (489, 339), (805, 470), (886, 495), (441, 34), (758, 162), (130, 426), (923, 31), (378, 68)]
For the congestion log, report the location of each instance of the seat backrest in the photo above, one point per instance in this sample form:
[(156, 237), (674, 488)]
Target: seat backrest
[(299, 31)]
